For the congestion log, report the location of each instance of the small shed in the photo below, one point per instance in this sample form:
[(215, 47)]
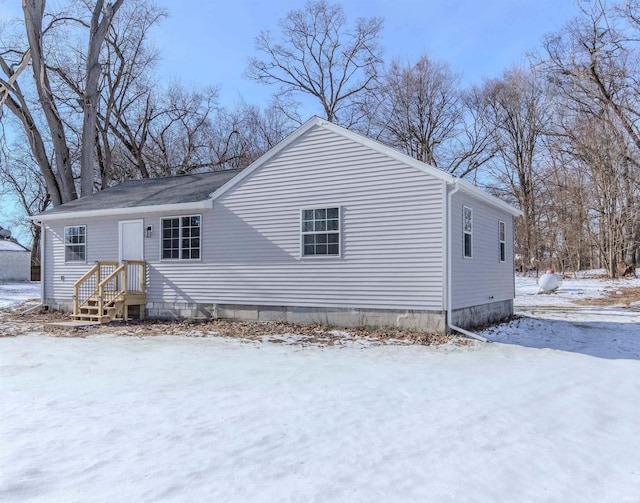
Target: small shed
[(15, 261)]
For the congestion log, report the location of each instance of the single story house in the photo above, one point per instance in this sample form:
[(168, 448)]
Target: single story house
[(15, 261), (327, 227)]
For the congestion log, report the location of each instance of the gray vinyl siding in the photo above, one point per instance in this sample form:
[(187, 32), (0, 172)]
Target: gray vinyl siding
[(482, 278), (102, 244), (392, 243), (391, 223)]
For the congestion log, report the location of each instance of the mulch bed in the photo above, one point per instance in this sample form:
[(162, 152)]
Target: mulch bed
[(13, 323)]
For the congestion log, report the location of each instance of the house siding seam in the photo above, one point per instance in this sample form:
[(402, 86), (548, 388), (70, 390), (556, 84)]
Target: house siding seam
[(481, 279)]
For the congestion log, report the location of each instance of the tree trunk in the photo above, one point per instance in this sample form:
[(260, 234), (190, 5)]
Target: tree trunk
[(33, 13), (97, 34)]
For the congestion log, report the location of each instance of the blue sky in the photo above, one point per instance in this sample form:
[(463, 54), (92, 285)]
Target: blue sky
[(208, 42)]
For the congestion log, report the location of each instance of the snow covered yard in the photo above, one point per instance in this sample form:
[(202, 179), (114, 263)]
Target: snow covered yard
[(540, 417), (17, 293)]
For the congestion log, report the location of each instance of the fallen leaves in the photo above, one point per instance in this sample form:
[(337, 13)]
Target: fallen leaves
[(12, 323)]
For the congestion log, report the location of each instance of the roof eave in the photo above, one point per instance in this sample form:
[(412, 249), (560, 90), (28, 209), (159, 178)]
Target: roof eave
[(488, 198), (375, 145), (156, 208)]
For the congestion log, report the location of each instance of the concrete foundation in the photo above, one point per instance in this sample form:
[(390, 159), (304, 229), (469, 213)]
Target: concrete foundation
[(418, 320), (59, 305), (485, 314), (423, 321)]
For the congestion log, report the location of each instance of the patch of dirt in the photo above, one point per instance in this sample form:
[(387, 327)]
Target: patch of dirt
[(13, 323), (617, 296)]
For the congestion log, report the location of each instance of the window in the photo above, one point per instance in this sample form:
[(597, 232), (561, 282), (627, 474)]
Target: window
[(467, 229), (321, 232), (75, 243), (503, 243), (181, 238)]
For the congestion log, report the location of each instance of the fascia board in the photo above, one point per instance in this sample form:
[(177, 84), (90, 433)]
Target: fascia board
[(314, 121), (157, 208), (488, 198), (372, 144), (391, 152)]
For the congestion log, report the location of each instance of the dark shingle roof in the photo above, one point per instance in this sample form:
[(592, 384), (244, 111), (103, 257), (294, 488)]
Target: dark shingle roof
[(152, 192)]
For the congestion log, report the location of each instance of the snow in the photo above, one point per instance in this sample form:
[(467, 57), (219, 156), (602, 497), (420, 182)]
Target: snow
[(553, 320), (16, 293), (549, 413), (571, 290)]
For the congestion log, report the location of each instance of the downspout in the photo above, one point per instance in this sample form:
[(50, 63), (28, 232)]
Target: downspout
[(450, 324), (42, 234)]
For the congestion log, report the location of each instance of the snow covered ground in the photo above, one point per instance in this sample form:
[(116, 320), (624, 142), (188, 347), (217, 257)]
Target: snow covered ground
[(553, 320), (12, 294), (549, 414)]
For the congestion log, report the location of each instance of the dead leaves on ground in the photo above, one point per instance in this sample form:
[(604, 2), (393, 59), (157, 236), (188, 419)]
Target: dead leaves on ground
[(617, 296), (12, 323)]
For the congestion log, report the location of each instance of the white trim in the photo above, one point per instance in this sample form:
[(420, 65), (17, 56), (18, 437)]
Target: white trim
[(158, 208), (488, 198), (302, 256), (64, 244), (464, 233), (120, 222), (293, 137), (446, 235), (160, 232), (372, 144), (43, 243), (472, 335)]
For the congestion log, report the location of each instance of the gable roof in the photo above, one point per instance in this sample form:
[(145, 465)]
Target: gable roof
[(187, 192), (374, 145), (198, 191)]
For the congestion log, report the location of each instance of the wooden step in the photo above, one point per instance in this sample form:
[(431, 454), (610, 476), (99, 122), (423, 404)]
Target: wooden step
[(93, 319)]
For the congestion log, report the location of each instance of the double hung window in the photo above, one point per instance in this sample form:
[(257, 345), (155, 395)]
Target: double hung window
[(467, 231), (321, 232), (75, 243), (503, 242)]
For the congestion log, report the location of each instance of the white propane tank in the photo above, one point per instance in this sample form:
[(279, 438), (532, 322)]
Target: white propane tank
[(549, 281)]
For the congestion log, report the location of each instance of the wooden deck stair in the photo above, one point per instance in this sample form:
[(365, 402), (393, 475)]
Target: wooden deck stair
[(90, 311), (107, 290)]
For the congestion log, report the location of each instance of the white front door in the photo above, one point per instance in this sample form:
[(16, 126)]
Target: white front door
[(131, 247)]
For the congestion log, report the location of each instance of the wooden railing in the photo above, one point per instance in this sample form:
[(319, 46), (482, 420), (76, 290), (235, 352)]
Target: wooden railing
[(86, 288), (107, 282)]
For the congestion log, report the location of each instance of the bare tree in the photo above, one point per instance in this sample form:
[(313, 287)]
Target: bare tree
[(592, 67), (19, 175), (317, 54), (419, 109), (59, 175), (422, 110), (129, 100), (517, 107), (101, 18)]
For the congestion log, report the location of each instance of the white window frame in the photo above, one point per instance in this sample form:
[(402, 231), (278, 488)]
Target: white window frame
[(502, 239), (64, 240), (161, 234), (465, 232), (305, 233)]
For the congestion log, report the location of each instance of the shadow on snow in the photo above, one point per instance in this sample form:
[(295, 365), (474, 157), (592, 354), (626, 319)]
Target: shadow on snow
[(602, 339)]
